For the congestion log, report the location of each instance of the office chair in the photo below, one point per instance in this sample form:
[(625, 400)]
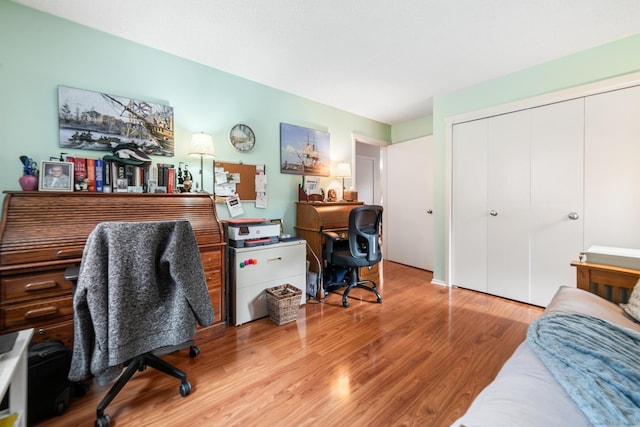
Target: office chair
[(140, 290), (360, 249)]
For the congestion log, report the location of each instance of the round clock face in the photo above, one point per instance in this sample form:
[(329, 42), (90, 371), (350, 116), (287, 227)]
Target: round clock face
[(242, 137)]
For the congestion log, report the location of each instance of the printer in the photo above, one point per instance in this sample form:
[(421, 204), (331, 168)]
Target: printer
[(248, 232)]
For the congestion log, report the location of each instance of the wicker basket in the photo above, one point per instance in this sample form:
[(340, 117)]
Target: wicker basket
[(284, 303)]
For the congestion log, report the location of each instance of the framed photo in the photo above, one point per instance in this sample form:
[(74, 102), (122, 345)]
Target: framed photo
[(152, 184), (56, 176), (303, 151), (122, 185)]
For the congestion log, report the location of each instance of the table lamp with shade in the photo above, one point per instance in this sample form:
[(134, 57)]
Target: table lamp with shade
[(202, 146), (343, 170)]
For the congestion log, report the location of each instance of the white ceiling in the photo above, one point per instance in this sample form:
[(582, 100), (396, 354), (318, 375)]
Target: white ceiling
[(381, 59)]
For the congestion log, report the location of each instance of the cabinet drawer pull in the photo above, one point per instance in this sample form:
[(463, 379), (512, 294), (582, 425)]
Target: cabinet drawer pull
[(274, 259), (64, 254), (39, 312), (37, 286)]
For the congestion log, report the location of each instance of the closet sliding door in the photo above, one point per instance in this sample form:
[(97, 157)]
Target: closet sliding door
[(508, 183), (612, 169), (469, 206), (517, 199), (557, 196)]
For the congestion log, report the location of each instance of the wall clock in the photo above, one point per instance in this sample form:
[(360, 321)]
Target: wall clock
[(242, 137)]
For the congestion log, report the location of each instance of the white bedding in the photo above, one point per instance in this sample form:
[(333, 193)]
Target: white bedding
[(524, 392)]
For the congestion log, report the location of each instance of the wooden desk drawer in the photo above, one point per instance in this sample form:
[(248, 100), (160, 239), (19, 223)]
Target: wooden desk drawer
[(27, 286), (62, 331), (48, 310), (211, 260)]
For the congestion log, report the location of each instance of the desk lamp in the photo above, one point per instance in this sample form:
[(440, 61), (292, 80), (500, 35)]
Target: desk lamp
[(202, 145), (343, 170)]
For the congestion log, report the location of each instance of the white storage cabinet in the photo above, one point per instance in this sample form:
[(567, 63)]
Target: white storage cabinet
[(255, 269)]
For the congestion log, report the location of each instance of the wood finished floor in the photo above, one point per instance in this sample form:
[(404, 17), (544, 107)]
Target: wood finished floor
[(417, 359)]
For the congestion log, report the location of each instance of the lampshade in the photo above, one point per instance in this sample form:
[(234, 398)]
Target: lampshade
[(201, 145), (343, 170)]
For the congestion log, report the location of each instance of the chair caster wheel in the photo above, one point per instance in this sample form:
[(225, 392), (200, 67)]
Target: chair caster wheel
[(345, 304), (103, 421), (185, 389), (379, 300), (194, 351)]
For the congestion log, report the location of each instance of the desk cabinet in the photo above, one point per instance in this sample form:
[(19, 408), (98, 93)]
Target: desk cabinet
[(255, 269), (44, 233), (312, 218)]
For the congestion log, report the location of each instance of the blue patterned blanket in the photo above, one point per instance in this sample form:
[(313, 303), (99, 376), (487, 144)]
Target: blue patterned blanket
[(596, 362)]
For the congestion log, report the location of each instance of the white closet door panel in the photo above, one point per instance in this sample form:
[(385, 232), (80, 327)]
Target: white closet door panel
[(508, 198), (409, 226), (612, 169), (557, 147), (469, 206)]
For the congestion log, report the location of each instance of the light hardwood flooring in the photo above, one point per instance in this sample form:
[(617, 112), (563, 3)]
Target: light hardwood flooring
[(417, 359)]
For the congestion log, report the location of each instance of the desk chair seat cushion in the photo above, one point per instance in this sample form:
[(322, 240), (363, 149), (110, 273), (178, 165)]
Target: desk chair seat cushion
[(341, 256), (141, 286)]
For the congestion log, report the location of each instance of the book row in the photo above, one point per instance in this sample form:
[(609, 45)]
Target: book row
[(106, 176)]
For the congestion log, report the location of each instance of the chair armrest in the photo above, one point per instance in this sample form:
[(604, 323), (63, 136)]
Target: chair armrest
[(71, 273), (331, 235)]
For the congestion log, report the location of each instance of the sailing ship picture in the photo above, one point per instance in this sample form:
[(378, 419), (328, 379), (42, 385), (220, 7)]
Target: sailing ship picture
[(98, 121), (303, 151)]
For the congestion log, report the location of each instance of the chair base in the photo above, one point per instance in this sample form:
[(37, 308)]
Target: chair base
[(140, 363), (353, 283)]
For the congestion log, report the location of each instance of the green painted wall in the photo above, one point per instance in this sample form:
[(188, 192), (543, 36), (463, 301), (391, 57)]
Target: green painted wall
[(38, 52), (412, 129), (611, 60)]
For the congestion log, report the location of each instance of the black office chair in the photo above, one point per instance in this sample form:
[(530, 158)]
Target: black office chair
[(360, 249), (140, 290)]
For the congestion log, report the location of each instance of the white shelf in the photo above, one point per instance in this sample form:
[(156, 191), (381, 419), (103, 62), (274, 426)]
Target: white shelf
[(13, 371)]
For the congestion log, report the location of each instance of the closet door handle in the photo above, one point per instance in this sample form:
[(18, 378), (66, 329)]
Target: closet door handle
[(573, 215), (493, 213)]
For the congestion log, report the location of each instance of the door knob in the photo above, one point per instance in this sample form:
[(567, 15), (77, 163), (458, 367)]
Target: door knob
[(493, 213), (430, 211), (573, 215)]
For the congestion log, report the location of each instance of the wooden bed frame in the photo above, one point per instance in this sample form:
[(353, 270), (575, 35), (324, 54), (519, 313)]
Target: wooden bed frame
[(614, 284)]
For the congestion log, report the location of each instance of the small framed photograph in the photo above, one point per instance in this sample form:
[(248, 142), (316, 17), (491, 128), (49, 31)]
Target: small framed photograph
[(161, 189), (122, 185), (134, 189), (152, 184), (56, 176)]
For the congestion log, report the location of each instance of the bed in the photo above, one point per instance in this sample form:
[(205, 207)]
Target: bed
[(526, 392)]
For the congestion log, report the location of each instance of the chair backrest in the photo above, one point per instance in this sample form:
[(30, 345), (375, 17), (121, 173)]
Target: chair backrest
[(364, 232)]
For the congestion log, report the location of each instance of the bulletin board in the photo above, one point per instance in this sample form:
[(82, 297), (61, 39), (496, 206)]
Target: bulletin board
[(246, 189)]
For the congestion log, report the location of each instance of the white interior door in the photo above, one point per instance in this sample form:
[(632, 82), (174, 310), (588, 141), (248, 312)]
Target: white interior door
[(469, 206), (557, 196), (612, 169), (366, 168), (409, 203), (508, 182)]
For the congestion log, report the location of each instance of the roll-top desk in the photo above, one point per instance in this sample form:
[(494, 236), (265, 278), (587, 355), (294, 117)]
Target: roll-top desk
[(44, 233), (314, 217)]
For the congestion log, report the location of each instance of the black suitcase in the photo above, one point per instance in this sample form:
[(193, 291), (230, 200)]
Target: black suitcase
[(49, 387)]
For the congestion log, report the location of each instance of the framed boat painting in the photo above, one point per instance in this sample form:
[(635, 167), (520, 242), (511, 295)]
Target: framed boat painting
[(303, 151), (98, 121)]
